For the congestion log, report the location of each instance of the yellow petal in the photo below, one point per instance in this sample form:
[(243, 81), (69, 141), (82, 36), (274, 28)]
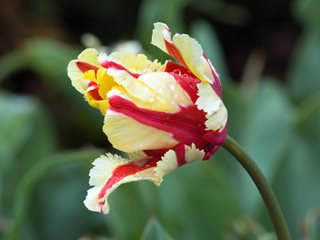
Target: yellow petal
[(135, 63), (89, 56), (102, 105), (105, 81), (129, 135), (156, 91)]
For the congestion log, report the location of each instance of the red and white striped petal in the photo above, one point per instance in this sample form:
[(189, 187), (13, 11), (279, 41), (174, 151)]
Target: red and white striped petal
[(187, 51), (110, 171), (86, 61), (129, 135), (177, 157), (212, 105)]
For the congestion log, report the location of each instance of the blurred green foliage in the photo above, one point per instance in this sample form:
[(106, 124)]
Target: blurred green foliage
[(43, 182)]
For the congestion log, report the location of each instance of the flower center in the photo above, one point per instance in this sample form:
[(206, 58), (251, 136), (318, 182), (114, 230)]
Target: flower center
[(98, 84)]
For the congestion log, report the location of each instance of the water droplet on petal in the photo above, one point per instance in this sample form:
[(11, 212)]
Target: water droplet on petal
[(160, 90), (185, 75), (177, 71), (171, 86)]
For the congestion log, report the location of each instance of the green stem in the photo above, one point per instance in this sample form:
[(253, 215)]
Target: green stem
[(261, 183)]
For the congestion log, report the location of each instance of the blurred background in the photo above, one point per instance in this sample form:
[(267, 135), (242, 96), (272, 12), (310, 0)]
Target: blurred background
[(268, 55)]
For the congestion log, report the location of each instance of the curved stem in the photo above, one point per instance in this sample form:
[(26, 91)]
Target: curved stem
[(261, 183)]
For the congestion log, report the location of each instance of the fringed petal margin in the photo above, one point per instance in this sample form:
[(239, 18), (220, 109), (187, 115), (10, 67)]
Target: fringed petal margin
[(212, 105), (110, 171)]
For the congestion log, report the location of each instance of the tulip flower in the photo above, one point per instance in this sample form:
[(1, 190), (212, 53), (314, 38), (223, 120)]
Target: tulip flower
[(162, 115)]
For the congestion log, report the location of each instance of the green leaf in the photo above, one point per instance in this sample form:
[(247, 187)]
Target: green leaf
[(128, 208), (11, 63), (154, 231), (216, 10), (50, 58), (195, 202), (238, 105), (151, 11), (297, 182), (303, 75), (15, 125), (307, 12), (297, 186), (25, 190), (266, 135), (26, 136)]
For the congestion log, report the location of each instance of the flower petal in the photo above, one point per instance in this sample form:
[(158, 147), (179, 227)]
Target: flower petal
[(187, 51), (133, 63), (187, 125), (193, 154), (157, 91), (129, 135), (110, 171), (212, 105), (87, 60)]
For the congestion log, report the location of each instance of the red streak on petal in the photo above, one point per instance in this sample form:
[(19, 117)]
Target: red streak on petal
[(125, 170), (101, 204), (155, 153), (94, 91), (187, 125), (83, 66), (214, 139), (174, 52), (181, 155), (111, 64), (189, 85), (172, 67), (187, 80), (216, 84)]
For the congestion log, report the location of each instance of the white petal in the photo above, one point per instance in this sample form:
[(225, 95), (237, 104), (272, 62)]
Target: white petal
[(212, 105), (217, 120), (102, 172), (105, 167), (160, 32), (167, 164), (91, 201), (193, 154), (208, 100)]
